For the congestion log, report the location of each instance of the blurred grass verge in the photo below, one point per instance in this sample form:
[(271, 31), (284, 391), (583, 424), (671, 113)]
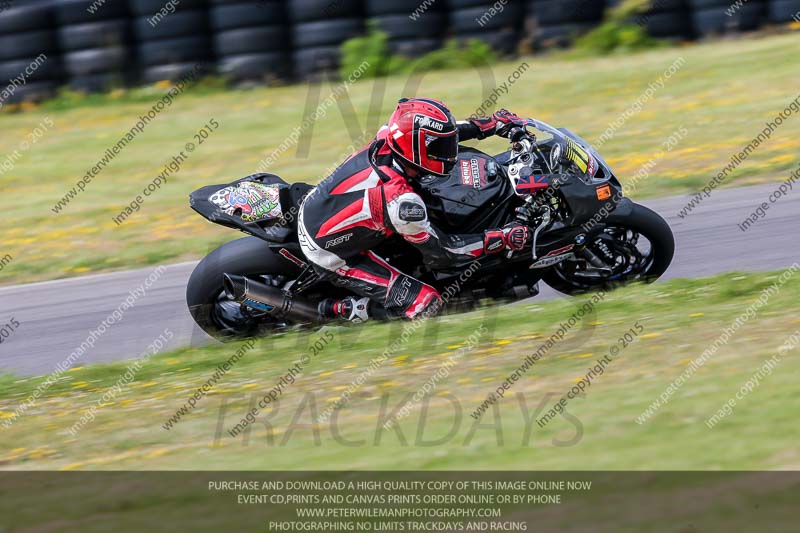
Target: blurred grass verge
[(680, 318)]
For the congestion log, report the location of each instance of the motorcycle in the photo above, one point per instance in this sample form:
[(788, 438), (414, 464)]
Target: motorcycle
[(587, 236)]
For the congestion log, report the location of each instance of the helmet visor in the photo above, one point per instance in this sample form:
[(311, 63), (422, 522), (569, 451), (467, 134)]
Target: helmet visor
[(442, 148)]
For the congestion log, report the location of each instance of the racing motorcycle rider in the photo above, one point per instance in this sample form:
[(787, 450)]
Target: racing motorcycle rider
[(371, 196)]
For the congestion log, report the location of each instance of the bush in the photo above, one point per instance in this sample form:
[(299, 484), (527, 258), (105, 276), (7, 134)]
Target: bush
[(453, 56), (372, 48), (613, 36), (618, 33)]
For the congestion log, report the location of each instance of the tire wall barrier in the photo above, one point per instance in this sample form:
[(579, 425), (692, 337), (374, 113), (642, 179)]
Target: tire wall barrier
[(171, 37), (556, 23), (251, 39), (30, 65), (499, 24), (95, 45), (413, 29)]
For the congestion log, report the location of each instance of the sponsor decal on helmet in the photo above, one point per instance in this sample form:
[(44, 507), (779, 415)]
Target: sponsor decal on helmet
[(426, 122)]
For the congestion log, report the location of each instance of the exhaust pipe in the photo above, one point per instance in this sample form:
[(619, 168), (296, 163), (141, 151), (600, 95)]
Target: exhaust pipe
[(268, 299)]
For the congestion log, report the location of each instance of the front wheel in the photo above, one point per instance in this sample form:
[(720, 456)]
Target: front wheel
[(633, 246)]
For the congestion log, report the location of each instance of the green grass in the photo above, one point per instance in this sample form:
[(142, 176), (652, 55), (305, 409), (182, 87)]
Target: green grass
[(723, 95), (680, 319)]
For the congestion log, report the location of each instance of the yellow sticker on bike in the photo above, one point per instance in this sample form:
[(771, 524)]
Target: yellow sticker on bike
[(577, 155)]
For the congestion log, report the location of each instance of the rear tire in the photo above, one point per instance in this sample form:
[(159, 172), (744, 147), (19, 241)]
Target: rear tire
[(245, 257)]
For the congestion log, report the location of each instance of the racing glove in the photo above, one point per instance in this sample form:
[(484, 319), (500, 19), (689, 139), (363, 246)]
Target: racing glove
[(500, 123), (513, 236), (507, 121)]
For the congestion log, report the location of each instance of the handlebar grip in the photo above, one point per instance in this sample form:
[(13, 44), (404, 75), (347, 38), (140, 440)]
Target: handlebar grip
[(517, 134)]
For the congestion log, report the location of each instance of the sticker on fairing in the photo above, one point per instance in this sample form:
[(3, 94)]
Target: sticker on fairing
[(526, 182), (478, 174), (252, 202), (466, 172), (293, 258), (604, 192), (555, 156), (581, 158), (473, 174), (555, 257), (592, 167)]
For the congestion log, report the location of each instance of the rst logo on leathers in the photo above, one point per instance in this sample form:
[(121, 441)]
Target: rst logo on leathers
[(494, 246), (402, 291), (338, 240), (411, 212)]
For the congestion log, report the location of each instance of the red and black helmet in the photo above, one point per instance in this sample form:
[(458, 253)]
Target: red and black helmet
[(424, 133)]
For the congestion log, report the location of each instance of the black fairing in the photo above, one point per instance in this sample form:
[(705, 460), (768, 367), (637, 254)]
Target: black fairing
[(584, 199), (472, 198)]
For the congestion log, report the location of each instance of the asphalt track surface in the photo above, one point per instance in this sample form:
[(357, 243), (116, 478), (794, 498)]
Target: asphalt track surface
[(57, 316)]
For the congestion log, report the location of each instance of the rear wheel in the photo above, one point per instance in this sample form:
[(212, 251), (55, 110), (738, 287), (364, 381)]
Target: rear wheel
[(635, 247), (214, 312)]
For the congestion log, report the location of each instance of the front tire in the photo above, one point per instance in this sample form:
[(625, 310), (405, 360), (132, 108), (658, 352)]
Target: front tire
[(210, 309), (574, 277)]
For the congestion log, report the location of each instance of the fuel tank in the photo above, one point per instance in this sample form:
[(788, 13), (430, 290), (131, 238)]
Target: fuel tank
[(471, 197)]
